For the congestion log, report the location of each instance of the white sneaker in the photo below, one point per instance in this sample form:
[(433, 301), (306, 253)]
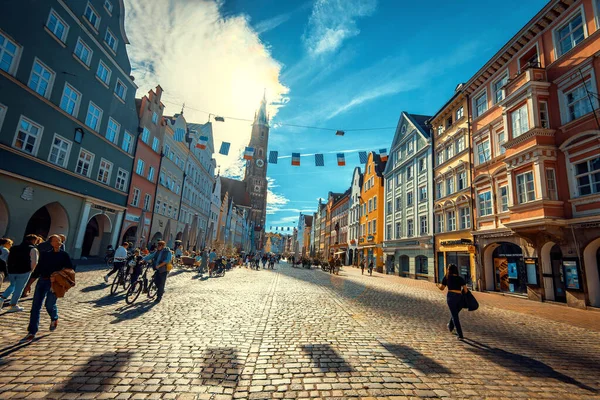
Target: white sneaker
[(15, 309), (106, 278)]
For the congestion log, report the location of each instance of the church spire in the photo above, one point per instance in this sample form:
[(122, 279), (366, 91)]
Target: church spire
[(261, 117)]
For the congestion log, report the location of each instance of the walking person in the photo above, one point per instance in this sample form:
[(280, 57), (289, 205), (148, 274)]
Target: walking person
[(371, 268), (50, 262), (362, 267), (161, 259), (5, 245), (119, 260), (456, 287), (22, 260)]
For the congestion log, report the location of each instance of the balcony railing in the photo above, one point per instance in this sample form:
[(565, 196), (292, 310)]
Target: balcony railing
[(526, 76)]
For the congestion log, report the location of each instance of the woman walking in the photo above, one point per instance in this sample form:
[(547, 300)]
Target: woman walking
[(456, 287), (22, 260)]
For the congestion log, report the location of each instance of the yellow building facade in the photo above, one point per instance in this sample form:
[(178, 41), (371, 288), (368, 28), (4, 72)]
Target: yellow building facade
[(453, 204)]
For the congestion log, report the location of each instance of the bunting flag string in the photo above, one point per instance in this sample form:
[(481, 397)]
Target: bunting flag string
[(225, 148), (319, 161), (249, 153), (179, 135), (273, 157), (296, 159), (202, 141), (341, 160), (362, 157), (383, 154)]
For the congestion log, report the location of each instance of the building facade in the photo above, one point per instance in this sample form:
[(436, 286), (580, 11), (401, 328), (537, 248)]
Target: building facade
[(370, 243), (68, 122), (354, 208), (408, 244), (339, 226)]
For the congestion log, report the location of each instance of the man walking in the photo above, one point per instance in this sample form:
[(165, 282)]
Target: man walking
[(211, 261), (161, 259), (21, 261), (5, 245), (362, 267), (50, 262), (119, 260)]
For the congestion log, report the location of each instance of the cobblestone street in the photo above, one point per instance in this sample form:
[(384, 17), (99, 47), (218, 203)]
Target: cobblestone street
[(294, 333)]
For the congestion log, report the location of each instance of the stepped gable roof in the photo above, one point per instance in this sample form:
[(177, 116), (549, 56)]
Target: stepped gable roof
[(237, 191)]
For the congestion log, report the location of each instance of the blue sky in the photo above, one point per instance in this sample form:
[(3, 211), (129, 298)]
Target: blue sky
[(341, 64)]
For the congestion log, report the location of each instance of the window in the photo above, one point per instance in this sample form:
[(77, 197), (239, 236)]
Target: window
[(398, 180), (465, 218), (368, 227), (139, 169), (41, 79), (439, 190), (155, 144), (422, 164), (409, 198), (120, 89), (84, 163), (449, 152), (112, 130), (374, 225), (91, 15), (122, 177), (374, 202), (108, 5), (421, 266), (409, 228), (449, 121), (135, 199), (147, 199), (146, 136), (409, 172), (70, 100), (398, 204), (520, 121), (440, 130), (440, 157), (8, 54), (460, 144), (410, 146), (423, 193), (497, 88), (544, 121), (480, 104), (525, 187), (423, 223), (485, 203), (503, 198), (398, 230), (451, 221), (370, 204), (389, 207), (501, 139), (28, 136), (110, 40), (2, 114), (588, 176), (462, 180), (450, 185), (151, 172), (154, 118), (551, 184), (57, 26), (59, 151), (104, 171), (483, 151), (569, 35), (103, 72), (83, 52), (578, 101), (439, 223), (460, 113)]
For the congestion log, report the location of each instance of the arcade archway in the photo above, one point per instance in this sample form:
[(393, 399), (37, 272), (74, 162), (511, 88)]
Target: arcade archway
[(49, 219), (96, 236)]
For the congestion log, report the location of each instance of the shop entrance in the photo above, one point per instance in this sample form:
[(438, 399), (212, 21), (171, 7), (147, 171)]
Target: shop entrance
[(96, 236), (441, 267), (404, 265), (130, 235), (463, 262), (558, 278), (510, 273), (390, 265)]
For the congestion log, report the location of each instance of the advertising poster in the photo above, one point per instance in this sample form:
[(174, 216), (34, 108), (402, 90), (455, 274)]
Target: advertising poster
[(501, 266), (512, 270), (571, 274)]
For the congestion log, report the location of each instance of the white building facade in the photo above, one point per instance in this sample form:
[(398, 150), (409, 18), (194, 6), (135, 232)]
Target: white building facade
[(354, 217)]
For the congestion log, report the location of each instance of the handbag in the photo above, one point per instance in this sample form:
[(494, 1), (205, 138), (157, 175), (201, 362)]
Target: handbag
[(470, 302)]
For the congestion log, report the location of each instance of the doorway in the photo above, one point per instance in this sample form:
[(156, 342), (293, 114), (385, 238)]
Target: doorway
[(558, 278), (39, 223), (130, 235), (49, 219), (404, 266), (509, 269)]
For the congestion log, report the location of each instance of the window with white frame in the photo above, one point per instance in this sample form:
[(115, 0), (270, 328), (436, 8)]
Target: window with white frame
[(450, 185), (120, 89), (151, 173), (409, 198), (141, 167), (460, 113), (164, 208), (440, 157), (368, 228), (449, 151), (451, 221), (92, 16), (497, 88), (525, 187), (147, 199), (544, 120), (374, 226), (440, 130), (483, 151), (112, 130), (59, 151), (410, 146), (398, 204), (577, 101), (465, 218), (57, 26), (480, 104), (520, 121), (389, 207), (503, 198), (422, 164), (588, 176), (146, 136), (423, 193), (570, 34), (460, 143), (110, 40), (398, 230), (439, 223), (551, 188), (28, 136), (409, 172), (103, 72), (155, 144), (462, 180), (388, 232), (154, 118), (41, 78), (127, 144), (484, 201), (135, 199), (439, 191), (108, 6), (9, 52), (374, 202), (83, 52), (410, 230), (157, 206), (70, 100), (423, 225), (500, 140), (85, 163), (121, 182), (104, 171)]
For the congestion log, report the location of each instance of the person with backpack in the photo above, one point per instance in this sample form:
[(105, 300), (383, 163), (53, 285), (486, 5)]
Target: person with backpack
[(5, 245), (21, 261), (456, 288), (161, 260)]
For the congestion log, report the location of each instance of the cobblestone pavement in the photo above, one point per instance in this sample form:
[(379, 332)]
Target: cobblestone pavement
[(293, 333)]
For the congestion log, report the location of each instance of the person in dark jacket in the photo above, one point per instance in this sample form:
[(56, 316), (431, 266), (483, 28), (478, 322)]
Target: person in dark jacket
[(21, 261), (50, 262), (5, 245), (456, 287)]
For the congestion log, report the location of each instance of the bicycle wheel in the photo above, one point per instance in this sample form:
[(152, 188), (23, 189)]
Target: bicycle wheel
[(133, 292), (115, 285), (152, 289), (110, 261), (126, 281)]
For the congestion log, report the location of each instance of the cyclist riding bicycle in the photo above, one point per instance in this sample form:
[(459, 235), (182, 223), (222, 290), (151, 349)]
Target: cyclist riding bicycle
[(135, 264), (120, 259)]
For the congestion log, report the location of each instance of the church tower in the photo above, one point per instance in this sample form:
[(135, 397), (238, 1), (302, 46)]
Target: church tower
[(256, 174)]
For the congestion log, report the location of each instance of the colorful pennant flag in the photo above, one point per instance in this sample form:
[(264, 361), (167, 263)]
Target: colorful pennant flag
[(319, 161), (341, 159), (273, 157), (383, 154), (179, 135), (225, 148), (202, 141), (288, 228), (296, 159), (276, 228), (249, 153), (362, 157)]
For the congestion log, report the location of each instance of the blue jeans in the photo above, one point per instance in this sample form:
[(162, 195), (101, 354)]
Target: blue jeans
[(42, 291), (16, 286)]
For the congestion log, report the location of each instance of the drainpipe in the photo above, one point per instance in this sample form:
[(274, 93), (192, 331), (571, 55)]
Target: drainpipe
[(473, 208)]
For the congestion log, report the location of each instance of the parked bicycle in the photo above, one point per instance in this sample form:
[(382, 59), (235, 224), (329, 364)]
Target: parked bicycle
[(121, 279), (142, 284)]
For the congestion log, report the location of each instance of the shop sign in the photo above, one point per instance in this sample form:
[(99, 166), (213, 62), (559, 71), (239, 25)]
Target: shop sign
[(370, 238), (361, 240), (456, 242), (571, 274), (132, 218), (27, 194), (97, 207)]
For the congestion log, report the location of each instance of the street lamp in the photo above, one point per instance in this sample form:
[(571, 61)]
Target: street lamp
[(216, 118)]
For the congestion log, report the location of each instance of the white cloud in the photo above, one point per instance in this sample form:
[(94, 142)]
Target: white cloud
[(275, 201), (285, 220), (332, 22), (211, 62), (272, 23)]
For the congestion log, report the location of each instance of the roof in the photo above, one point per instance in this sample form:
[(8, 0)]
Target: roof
[(421, 121), (308, 219), (457, 92), (237, 191), (203, 130)]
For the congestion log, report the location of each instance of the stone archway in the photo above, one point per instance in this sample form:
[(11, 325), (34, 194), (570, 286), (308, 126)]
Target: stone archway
[(49, 219), (130, 235), (488, 266), (96, 236), (4, 217), (592, 274)]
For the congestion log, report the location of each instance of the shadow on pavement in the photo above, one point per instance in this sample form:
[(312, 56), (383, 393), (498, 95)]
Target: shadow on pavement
[(8, 350), (107, 300), (326, 358), (94, 288), (521, 364), (221, 366), (133, 311), (416, 360)]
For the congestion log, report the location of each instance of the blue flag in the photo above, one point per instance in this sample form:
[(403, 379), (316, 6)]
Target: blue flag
[(273, 157), (362, 157), (319, 161), (179, 135), (225, 148)]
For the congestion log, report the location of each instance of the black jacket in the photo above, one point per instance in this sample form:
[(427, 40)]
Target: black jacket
[(51, 262), (19, 260)]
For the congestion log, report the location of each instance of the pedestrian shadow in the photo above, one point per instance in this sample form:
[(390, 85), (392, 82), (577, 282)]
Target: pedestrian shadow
[(522, 365), (221, 366), (97, 375), (325, 358), (108, 300), (94, 288), (416, 360), (8, 350), (133, 311)]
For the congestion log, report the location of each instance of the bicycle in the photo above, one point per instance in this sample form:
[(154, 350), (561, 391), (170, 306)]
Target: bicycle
[(142, 284), (121, 279)]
